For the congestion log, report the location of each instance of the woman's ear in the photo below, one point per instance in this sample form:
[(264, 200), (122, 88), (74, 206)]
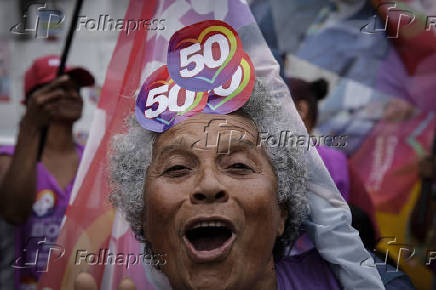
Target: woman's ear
[(303, 109), (304, 112), (144, 227), (283, 217)]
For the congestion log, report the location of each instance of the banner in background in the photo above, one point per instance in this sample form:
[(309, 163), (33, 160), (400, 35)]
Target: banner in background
[(384, 54), (90, 223)]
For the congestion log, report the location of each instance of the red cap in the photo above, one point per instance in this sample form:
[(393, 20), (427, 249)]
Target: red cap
[(45, 69)]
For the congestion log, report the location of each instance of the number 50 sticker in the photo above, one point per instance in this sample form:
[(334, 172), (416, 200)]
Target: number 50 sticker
[(234, 93), (161, 103), (204, 55)]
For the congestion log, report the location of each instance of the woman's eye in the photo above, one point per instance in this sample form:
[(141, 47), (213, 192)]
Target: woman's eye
[(241, 168), (176, 171)]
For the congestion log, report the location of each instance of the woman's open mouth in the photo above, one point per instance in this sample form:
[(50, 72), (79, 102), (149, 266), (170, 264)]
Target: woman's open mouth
[(209, 239)]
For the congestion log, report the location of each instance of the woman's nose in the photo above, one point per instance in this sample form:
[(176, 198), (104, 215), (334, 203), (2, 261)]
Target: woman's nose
[(209, 189)]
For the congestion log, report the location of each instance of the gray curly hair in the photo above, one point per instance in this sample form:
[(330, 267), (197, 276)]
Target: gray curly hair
[(132, 154)]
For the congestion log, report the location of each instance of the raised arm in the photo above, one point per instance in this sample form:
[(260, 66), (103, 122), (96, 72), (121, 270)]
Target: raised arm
[(18, 174)]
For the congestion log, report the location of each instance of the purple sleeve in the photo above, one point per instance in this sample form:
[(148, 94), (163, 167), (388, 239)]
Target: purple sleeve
[(80, 149), (306, 271), (7, 150), (336, 163)]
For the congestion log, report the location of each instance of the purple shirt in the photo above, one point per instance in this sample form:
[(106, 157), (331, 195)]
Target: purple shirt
[(305, 271), (336, 163), (32, 239)]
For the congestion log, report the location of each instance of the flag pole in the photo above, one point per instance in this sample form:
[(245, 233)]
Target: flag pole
[(61, 69)]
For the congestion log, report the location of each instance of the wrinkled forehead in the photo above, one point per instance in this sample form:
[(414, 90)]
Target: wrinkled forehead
[(210, 131)]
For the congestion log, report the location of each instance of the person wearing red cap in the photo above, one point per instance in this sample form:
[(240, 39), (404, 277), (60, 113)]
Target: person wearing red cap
[(34, 195)]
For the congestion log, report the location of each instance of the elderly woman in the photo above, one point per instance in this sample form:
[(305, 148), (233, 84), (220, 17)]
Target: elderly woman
[(221, 205)]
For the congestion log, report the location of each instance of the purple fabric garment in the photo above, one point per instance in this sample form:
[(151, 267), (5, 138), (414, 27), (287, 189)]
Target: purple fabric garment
[(336, 163), (305, 271), (42, 226)]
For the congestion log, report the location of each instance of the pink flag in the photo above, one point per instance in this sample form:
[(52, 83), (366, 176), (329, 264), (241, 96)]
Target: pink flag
[(89, 225)]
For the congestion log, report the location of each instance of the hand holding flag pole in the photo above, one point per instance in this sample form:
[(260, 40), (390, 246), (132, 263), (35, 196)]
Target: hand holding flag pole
[(61, 68)]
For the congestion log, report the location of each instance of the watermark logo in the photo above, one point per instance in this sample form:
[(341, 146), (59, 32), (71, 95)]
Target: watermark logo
[(36, 254), (403, 253), (220, 135), (430, 24), (47, 22), (395, 20), (107, 257), (393, 16), (41, 22), (286, 138), (105, 22)]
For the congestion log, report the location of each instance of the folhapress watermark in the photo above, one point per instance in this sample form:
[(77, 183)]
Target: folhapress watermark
[(36, 254), (105, 22), (220, 136), (403, 252), (288, 139), (396, 18), (106, 257), (39, 21)]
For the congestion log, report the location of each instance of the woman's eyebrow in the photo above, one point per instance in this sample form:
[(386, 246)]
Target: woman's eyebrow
[(244, 146), (239, 129), (241, 145), (178, 148)]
